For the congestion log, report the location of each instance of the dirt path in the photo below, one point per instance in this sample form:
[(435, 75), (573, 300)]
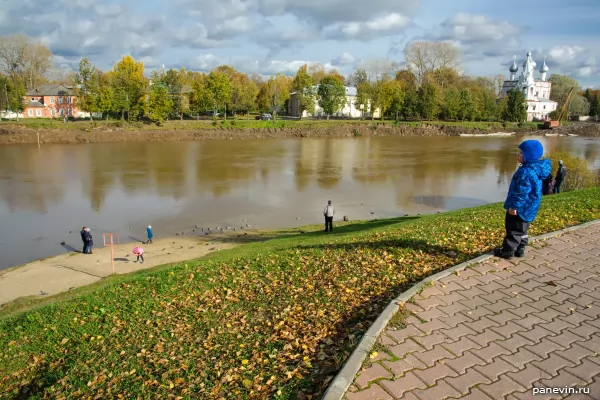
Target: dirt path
[(61, 273)]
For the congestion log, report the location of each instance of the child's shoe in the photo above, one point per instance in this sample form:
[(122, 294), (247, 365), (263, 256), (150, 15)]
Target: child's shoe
[(502, 254)]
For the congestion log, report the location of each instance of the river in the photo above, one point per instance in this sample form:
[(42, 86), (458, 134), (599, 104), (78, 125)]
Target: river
[(48, 194)]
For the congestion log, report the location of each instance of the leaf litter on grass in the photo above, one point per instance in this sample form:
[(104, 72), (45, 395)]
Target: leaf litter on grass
[(277, 323)]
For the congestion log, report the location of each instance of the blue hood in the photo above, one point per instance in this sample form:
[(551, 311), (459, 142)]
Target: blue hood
[(542, 168), (532, 150)]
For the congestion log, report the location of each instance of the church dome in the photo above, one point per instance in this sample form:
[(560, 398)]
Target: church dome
[(544, 67), (514, 67)]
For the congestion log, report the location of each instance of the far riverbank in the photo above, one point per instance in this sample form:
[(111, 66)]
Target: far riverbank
[(52, 132)]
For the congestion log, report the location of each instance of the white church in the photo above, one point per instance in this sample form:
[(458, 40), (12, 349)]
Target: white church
[(536, 91)]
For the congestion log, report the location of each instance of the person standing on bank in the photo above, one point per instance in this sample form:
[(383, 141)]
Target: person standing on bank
[(561, 173), (150, 234), (84, 251), (89, 240), (524, 198), (329, 212)]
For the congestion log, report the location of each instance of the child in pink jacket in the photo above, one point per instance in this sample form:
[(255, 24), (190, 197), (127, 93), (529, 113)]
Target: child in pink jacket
[(139, 252)]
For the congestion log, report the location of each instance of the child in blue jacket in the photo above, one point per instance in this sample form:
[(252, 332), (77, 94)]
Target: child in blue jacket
[(149, 233), (524, 197)]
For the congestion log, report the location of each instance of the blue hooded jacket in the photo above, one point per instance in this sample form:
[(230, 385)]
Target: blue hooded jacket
[(525, 191)]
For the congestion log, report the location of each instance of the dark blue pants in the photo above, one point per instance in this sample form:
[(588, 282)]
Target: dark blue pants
[(557, 186)]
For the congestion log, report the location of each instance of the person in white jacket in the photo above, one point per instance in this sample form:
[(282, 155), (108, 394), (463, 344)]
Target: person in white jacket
[(329, 212)]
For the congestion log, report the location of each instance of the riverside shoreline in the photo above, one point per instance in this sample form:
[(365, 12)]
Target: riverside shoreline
[(24, 134)]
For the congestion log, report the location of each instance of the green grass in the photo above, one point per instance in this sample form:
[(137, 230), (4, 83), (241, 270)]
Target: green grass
[(250, 124), (264, 320)]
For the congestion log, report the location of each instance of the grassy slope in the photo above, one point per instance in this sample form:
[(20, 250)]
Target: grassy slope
[(265, 320), (248, 124)]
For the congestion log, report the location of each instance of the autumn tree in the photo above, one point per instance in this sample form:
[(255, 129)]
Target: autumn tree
[(274, 94), (467, 105), (159, 103), (303, 86), (11, 95), (105, 95), (24, 60), (331, 95), (515, 109), (88, 87), (201, 98), (129, 87), (422, 57), (317, 72), (219, 87), (451, 105), (429, 100), (243, 93)]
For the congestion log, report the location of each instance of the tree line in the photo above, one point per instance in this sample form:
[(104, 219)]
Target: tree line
[(428, 86)]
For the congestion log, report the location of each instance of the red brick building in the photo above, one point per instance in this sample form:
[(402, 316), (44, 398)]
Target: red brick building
[(51, 101)]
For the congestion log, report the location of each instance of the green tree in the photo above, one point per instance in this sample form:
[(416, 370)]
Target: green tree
[(515, 109), (219, 87), (467, 105), (303, 86), (129, 86), (389, 92), (331, 95), (88, 87), (201, 98), (11, 95), (159, 103), (561, 84), (451, 105), (429, 95), (594, 106), (105, 95), (243, 93)]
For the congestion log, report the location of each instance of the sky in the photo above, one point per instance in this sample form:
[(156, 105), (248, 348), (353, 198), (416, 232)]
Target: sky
[(278, 36)]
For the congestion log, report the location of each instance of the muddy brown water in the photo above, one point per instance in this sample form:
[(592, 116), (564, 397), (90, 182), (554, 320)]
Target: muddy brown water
[(48, 194)]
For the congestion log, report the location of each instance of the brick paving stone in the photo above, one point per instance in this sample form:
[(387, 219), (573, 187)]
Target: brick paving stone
[(490, 352), (431, 291), (431, 326), (458, 332), (438, 372), (476, 394), (460, 346), (514, 343), (430, 357), (536, 334), (466, 361), (477, 313), (482, 324), (434, 313), (530, 321), (501, 388), (408, 346), (521, 358), (456, 319), (495, 369), (485, 338), (408, 363), (375, 371), (497, 329), (400, 386), (576, 353), (386, 340), (453, 309), (586, 371), (528, 376), (508, 330), (375, 392), (466, 381), (553, 364), (493, 286), (438, 392), (431, 340), (402, 334)]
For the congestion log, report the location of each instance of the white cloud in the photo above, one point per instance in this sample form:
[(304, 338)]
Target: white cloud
[(565, 54), (376, 27)]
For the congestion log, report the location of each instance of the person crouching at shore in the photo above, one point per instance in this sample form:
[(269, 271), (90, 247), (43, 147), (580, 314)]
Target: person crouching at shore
[(89, 240), (139, 252)]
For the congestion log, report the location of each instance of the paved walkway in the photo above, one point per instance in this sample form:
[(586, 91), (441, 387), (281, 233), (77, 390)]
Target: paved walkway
[(498, 330)]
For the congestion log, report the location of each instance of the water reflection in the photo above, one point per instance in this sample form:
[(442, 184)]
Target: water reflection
[(121, 185)]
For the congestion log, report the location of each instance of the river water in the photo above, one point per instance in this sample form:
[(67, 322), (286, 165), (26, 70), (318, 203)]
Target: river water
[(48, 194)]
